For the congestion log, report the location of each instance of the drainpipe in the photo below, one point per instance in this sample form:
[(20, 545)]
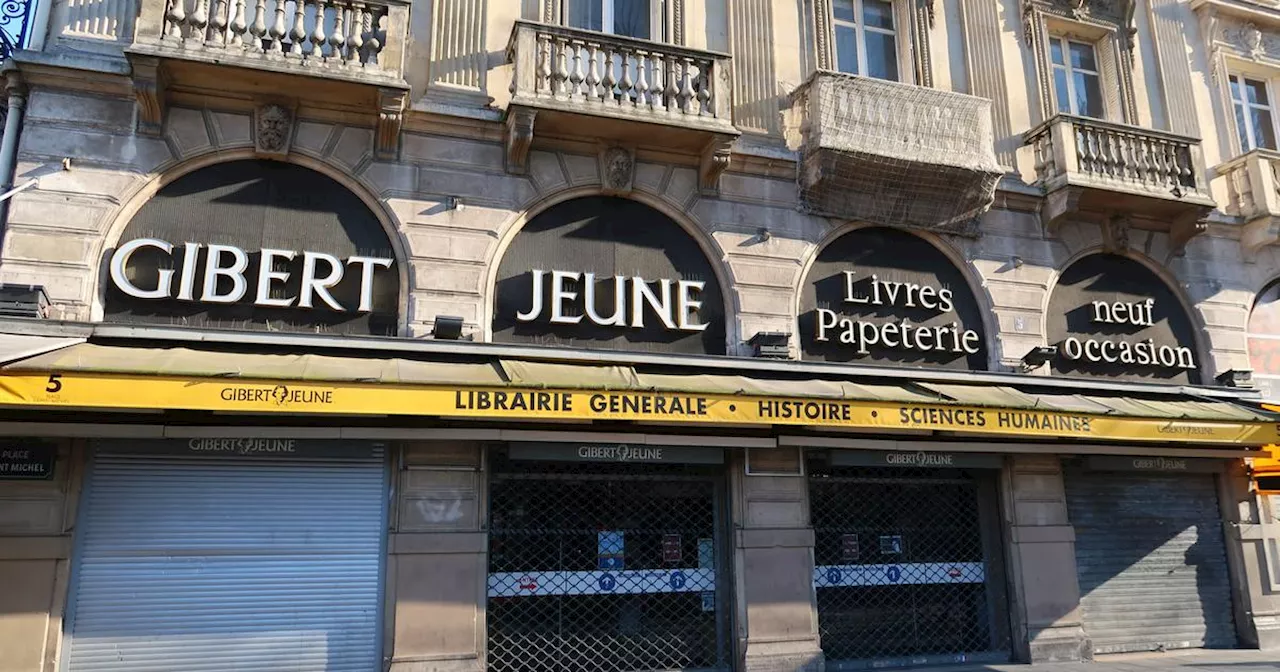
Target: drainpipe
[(17, 94)]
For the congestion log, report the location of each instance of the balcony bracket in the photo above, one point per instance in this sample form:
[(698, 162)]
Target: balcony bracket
[(149, 92), (391, 104), (518, 137), (715, 159), (1183, 229), (1257, 234), (1057, 207)]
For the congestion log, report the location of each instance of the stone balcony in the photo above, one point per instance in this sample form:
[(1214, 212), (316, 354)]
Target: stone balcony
[(1253, 195), (345, 54), (1120, 176), (573, 84), (890, 153)]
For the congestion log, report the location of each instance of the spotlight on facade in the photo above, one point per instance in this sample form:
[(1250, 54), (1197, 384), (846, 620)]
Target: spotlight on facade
[(23, 301), (1235, 378), (1038, 356), (447, 328), (771, 344)]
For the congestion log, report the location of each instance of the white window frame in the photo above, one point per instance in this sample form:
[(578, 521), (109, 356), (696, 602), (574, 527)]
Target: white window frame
[(860, 29), (1064, 43), (1248, 118), (657, 17)]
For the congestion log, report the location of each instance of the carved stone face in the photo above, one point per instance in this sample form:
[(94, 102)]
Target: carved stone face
[(273, 127), (617, 168)]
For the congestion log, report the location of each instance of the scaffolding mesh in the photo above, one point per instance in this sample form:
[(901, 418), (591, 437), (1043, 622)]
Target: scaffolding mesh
[(605, 568), (902, 576), (893, 154)]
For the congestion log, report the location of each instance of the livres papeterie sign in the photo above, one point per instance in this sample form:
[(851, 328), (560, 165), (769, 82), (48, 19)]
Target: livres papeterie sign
[(886, 296)]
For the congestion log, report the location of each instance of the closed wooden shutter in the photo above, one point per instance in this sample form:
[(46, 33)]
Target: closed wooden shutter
[(1151, 561), (229, 564)]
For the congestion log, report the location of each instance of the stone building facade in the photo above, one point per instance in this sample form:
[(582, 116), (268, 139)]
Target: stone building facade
[(1011, 141)]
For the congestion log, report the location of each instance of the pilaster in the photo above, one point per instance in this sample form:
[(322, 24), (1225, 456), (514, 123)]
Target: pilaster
[(778, 617), (437, 561), (987, 70), (1046, 606)]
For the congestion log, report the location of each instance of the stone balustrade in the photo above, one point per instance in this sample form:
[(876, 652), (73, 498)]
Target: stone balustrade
[(582, 83), (1120, 175), (609, 74), (892, 153), (1253, 194), (1117, 155)]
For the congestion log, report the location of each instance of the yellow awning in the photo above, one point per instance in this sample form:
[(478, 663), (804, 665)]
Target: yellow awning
[(97, 376)]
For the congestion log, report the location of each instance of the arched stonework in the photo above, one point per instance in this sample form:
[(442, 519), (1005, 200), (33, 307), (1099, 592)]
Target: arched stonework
[(1264, 340), (256, 205), (609, 238), (870, 286), (1112, 317)]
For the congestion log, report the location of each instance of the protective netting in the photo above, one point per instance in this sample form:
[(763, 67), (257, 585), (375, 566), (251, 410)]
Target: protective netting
[(604, 568), (903, 574), (893, 154)]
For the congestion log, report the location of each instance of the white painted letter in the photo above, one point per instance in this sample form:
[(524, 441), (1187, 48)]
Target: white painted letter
[(641, 294), (311, 285), (559, 295), (536, 308), (367, 266), (619, 317), (213, 269), (121, 258), (187, 285), (687, 305), (267, 275)]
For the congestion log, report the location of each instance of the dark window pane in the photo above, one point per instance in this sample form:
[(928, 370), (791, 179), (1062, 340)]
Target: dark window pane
[(1055, 50), (877, 14), (631, 18), (1060, 90), (882, 55), (1241, 129), (1082, 56), (1257, 91), (1088, 95), (1264, 132), (586, 14), (847, 49), (843, 10)]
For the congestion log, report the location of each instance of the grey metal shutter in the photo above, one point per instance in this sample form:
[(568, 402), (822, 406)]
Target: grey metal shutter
[(229, 564), (1151, 561)]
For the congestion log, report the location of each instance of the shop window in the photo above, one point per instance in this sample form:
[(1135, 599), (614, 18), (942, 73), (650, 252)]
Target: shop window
[(865, 38), (1077, 82), (1251, 103)]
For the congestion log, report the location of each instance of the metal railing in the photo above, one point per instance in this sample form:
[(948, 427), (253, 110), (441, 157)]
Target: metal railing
[(1108, 154), (597, 73), (16, 18)]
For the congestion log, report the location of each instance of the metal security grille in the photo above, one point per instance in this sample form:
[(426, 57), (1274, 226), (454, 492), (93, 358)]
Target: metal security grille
[(603, 567), (906, 571)]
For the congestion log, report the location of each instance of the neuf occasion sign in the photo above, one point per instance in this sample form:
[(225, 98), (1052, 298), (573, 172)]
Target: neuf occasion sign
[(88, 391)]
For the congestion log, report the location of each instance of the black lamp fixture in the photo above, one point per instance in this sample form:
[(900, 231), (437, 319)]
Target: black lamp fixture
[(771, 344), (23, 301), (1038, 356), (447, 328), (1235, 378)]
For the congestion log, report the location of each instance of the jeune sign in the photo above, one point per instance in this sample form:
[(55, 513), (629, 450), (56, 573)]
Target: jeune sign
[(1110, 316), (255, 245), (880, 295), (608, 273)]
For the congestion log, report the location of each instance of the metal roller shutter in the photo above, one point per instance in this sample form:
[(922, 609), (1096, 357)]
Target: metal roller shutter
[(1151, 561), (229, 564)]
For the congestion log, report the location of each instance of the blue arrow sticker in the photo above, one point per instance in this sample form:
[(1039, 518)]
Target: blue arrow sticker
[(894, 573), (677, 580), (833, 576), (608, 583)]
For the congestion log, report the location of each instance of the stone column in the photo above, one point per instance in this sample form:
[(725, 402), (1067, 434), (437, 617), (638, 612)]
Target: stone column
[(1046, 604), (773, 557), (36, 520), (437, 560), (1253, 551)]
